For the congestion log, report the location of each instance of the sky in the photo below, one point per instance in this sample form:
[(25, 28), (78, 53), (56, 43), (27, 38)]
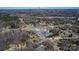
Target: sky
[(39, 7), (39, 3)]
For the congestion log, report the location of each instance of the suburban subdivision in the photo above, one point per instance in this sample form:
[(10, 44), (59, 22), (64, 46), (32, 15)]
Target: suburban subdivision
[(39, 29)]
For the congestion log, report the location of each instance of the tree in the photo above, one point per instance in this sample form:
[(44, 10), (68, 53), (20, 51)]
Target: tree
[(68, 44)]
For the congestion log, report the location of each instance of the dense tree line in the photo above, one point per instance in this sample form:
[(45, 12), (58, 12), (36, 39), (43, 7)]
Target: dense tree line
[(8, 20)]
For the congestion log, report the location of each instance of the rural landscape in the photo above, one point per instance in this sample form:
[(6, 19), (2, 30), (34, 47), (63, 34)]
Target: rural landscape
[(39, 29)]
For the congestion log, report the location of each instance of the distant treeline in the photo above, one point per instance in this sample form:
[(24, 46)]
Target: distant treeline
[(50, 12)]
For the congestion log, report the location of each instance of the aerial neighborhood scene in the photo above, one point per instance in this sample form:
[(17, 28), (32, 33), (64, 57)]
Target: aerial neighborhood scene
[(39, 29)]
